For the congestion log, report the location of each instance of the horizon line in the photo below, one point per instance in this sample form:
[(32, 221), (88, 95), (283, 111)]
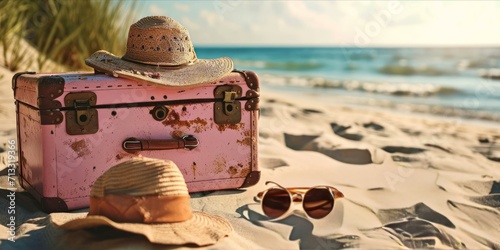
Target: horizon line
[(492, 46)]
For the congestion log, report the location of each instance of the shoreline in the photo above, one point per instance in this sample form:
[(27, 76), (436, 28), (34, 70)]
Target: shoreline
[(374, 100)]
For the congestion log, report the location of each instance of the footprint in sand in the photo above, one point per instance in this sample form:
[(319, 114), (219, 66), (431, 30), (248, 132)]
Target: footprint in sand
[(340, 130), (491, 152), (447, 150), (404, 150), (374, 126), (416, 233), (494, 158), (311, 111), (483, 139), (419, 210), (297, 142), (411, 132), (354, 155), (495, 188), (491, 200), (488, 148), (347, 155), (418, 226), (401, 158)]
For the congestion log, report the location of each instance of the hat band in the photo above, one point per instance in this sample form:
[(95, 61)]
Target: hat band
[(162, 64), (142, 209)]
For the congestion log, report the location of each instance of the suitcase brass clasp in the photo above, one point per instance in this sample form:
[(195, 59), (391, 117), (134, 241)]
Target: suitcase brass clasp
[(82, 112), (229, 99), (82, 119), (228, 109)]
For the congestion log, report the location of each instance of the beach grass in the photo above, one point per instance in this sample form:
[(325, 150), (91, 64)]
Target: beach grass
[(62, 31), (13, 16)]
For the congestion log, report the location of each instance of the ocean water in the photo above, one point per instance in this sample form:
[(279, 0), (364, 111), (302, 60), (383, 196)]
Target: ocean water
[(444, 81)]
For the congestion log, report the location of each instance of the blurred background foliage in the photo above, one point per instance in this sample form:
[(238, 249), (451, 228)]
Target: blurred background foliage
[(64, 32)]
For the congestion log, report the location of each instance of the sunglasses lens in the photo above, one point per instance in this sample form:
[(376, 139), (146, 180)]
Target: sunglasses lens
[(276, 202), (318, 202)]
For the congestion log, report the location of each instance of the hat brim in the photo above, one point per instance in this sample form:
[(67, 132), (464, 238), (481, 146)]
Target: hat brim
[(202, 229), (200, 72)]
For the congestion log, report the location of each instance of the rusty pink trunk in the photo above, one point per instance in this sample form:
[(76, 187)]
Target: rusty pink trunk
[(72, 127)]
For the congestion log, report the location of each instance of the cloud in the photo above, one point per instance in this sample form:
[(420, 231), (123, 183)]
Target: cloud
[(211, 18), (190, 24), (319, 20), (444, 23), (336, 22), (213, 29), (155, 10), (182, 7)]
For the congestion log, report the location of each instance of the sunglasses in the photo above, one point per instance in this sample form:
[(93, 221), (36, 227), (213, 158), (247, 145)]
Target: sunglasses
[(317, 201)]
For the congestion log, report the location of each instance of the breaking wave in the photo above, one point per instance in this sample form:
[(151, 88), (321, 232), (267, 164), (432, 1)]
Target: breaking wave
[(407, 70), (396, 89)]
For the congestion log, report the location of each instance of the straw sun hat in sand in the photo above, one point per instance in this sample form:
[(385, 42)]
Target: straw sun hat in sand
[(159, 50), (148, 197)]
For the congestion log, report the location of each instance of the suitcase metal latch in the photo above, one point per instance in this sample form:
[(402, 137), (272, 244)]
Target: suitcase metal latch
[(82, 112), (229, 99), (82, 119), (228, 109)]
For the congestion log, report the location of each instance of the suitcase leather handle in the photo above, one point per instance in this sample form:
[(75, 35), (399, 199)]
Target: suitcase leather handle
[(187, 142)]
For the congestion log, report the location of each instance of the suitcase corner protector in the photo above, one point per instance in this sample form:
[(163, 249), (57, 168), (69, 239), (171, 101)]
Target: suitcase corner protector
[(251, 179)]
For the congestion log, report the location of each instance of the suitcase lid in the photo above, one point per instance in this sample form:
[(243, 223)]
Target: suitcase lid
[(80, 95), (60, 91)]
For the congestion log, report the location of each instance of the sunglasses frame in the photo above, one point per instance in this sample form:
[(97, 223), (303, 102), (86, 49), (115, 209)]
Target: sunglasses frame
[(297, 194)]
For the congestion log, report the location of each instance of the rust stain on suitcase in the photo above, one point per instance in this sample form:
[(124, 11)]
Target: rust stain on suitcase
[(238, 171), (224, 127), (219, 164), (248, 140), (194, 169), (80, 148), (244, 172), (177, 134), (232, 171), (126, 154), (175, 122)]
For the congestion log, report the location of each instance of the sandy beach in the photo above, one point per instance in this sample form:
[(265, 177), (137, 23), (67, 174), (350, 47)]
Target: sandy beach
[(410, 181)]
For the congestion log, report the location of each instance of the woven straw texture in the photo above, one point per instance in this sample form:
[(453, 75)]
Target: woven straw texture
[(159, 40), (160, 51), (142, 176)]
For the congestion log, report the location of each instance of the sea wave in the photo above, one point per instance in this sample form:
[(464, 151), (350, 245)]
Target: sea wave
[(408, 70), (287, 65), (432, 109), (397, 89)]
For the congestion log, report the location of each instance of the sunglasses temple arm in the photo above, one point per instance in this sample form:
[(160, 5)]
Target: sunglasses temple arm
[(260, 194), (336, 192), (272, 182)]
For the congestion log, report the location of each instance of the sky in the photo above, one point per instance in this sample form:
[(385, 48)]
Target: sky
[(334, 23)]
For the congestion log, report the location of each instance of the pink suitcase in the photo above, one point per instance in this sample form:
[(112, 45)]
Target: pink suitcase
[(74, 126)]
